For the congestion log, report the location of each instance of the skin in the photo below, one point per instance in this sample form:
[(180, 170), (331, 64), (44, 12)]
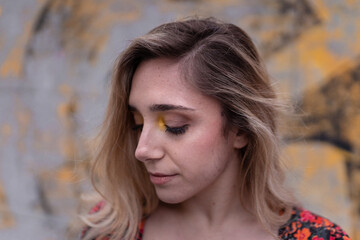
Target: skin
[(193, 166)]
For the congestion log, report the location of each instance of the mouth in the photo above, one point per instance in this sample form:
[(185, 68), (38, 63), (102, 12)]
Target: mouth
[(160, 178)]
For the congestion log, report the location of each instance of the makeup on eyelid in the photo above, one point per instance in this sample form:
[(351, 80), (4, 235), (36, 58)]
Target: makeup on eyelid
[(171, 122), (161, 123)]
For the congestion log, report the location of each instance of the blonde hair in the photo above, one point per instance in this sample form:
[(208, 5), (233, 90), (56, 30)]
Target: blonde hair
[(221, 61)]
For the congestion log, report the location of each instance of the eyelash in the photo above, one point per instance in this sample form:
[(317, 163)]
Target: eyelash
[(172, 130), (176, 130)]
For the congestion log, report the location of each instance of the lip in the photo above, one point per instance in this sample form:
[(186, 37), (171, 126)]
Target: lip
[(160, 178)]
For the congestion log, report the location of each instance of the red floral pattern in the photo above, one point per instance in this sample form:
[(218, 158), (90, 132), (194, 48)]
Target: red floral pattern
[(305, 225), (302, 225)]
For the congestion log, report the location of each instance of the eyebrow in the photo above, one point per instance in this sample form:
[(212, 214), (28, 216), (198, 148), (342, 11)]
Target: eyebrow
[(163, 108)]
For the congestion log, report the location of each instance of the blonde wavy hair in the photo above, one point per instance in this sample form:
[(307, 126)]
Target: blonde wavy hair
[(221, 61)]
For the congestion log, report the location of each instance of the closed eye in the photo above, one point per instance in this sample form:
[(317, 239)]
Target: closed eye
[(177, 130)]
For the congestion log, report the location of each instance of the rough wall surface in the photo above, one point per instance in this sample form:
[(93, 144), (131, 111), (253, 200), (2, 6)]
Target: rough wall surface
[(55, 64)]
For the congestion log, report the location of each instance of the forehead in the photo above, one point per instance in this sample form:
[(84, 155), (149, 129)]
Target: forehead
[(159, 81), (157, 72)]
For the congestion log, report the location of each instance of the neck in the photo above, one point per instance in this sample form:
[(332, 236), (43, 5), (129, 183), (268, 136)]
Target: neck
[(219, 202)]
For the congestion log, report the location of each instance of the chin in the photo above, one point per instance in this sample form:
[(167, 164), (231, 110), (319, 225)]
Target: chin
[(170, 197)]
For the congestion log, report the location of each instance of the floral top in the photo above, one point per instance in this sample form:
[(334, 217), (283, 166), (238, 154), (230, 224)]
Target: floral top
[(302, 225), (305, 225)]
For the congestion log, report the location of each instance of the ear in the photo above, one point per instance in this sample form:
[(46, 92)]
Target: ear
[(241, 140)]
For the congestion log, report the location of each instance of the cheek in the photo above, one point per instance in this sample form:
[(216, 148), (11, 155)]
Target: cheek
[(204, 150)]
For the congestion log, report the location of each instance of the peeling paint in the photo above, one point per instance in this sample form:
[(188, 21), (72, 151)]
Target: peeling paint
[(85, 26), (320, 171), (312, 45), (67, 109), (7, 219), (1, 42), (43, 141), (350, 2), (322, 9), (357, 46), (67, 174), (13, 64), (68, 148), (313, 55), (5, 133), (23, 117), (65, 90)]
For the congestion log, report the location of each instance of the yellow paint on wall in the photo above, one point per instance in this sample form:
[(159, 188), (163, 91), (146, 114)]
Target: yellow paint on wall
[(65, 89), (322, 9), (314, 56), (67, 174), (66, 109), (223, 3), (5, 133), (7, 219), (13, 64), (43, 141), (0, 11), (318, 176), (6, 130), (357, 45), (23, 117), (213, 3), (1, 42), (85, 42), (313, 48), (352, 131), (68, 148)]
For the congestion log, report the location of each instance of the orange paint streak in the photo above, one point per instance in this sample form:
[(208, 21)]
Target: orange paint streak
[(322, 10), (317, 172), (6, 217), (67, 174), (5, 133), (13, 64), (317, 61), (357, 45), (23, 117)]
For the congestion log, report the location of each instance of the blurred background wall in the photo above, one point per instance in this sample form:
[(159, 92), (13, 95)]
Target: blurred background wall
[(55, 65)]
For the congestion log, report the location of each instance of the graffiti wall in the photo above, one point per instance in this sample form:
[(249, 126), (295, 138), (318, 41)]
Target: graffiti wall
[(55, 63)]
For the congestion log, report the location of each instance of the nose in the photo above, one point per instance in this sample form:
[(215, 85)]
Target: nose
[(148, 147)]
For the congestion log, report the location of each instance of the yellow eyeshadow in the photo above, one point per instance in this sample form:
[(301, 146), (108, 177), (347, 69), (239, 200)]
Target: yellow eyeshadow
[(161, 123)]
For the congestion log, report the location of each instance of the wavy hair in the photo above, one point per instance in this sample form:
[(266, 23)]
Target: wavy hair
[(221, 61)]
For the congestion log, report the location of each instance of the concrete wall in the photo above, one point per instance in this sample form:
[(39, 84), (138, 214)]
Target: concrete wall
[(55, 64)]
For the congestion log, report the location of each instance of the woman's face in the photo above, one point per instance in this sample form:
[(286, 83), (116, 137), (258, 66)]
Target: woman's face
[(181, 134)]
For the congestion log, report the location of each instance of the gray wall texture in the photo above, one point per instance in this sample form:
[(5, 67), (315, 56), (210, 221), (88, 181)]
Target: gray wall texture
[(55, 64)]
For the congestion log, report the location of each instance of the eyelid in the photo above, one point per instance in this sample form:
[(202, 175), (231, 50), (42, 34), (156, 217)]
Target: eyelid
[(177, 130), (175, 119)]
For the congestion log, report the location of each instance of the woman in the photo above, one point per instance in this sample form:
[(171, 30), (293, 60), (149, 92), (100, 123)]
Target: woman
[(189, 148)]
